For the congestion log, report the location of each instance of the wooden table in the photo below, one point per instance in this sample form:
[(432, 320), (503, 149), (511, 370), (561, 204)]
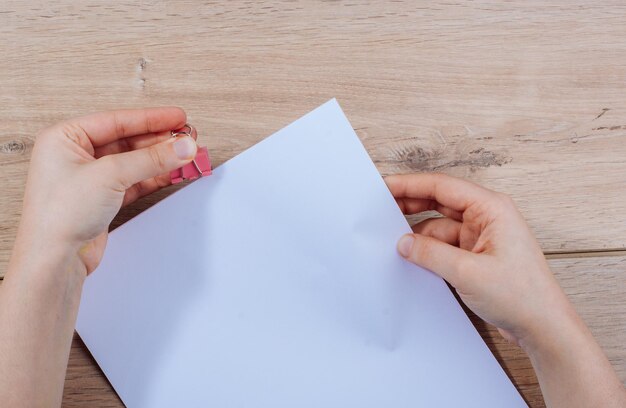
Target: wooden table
[(527, 98)]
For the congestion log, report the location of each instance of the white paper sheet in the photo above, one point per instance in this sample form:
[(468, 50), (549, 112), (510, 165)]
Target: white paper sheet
[(275, 282)]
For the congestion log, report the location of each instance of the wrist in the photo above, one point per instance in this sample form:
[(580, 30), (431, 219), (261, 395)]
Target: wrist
[(41, 255), (570, 365), (553, 330)]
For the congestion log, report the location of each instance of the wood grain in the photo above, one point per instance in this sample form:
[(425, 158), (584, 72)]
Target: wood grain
[(526, 98), (595, 286)]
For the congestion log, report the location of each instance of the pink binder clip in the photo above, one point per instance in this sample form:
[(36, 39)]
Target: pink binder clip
[(200, 166)]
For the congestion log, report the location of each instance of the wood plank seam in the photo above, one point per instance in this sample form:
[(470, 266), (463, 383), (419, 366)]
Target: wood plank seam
[(565, 255)]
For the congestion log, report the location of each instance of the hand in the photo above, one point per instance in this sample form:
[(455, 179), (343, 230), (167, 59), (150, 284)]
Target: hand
[(484, 249), (83, 170)]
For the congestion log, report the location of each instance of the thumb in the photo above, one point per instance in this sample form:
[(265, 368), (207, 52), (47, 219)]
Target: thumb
[(439, 257), (131, 167)]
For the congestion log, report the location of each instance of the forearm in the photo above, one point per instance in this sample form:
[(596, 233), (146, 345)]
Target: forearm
[(39, 301), (571, 367)]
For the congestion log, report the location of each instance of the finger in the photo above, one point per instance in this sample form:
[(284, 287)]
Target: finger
[(449, 191), (441, 258), (135, 142), (128, 168), (444, 229), (146, 187), (106, 127), (410, 206)]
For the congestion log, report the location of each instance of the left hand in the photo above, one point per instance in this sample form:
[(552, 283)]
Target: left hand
[(83, 170)]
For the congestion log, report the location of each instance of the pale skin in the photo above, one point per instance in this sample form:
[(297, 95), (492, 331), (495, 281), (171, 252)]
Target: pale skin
[(485, 250), (84, 170)]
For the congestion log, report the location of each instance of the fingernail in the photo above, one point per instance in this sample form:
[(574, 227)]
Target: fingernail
[(184, 147), (405, 244)]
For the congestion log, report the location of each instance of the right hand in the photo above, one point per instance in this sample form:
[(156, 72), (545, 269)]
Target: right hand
[(484, 249)]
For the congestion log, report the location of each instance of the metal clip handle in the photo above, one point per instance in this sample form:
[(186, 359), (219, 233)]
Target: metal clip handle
[(182, 132)]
